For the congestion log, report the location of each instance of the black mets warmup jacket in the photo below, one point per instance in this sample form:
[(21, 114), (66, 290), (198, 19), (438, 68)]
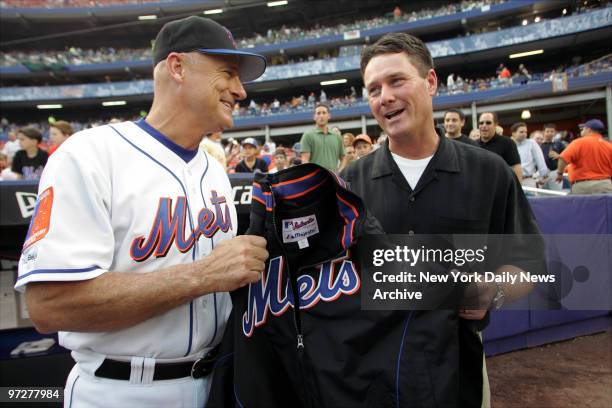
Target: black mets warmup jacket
[(327, 352)]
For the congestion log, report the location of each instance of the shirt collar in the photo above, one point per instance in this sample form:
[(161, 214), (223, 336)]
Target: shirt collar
[(185, 154), (444, 159)]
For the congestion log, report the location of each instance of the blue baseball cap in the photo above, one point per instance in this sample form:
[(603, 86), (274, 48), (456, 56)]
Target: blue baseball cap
[(251, 141), (593, 124), (206, 36)]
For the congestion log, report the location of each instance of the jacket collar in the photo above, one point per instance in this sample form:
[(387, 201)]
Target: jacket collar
[(445, 159)]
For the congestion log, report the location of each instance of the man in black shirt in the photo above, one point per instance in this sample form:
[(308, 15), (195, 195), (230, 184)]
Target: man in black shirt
[(420, 173), (454, 120), (29, 162), (251, 162), (498, 144), (551, 150)]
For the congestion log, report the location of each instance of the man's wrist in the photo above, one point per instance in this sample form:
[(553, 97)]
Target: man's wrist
[(499, 298)]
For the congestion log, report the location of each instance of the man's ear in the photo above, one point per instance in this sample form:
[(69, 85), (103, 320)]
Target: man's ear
[(432, 82), (175, 64)]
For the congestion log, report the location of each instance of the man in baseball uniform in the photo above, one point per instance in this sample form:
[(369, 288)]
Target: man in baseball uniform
[(132, 247)]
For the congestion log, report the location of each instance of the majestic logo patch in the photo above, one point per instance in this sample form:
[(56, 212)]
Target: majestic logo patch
[(335, 278), (41, 220), (296, 229), (169, 227)]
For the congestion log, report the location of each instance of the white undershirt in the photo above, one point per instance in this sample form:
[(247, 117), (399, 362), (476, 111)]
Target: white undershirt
[(411, 169)]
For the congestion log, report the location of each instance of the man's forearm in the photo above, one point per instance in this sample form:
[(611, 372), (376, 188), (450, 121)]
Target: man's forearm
[(111, 301), (517, 290), (115, 300)]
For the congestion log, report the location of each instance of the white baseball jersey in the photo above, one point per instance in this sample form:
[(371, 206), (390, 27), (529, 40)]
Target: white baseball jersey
[(124, 198)]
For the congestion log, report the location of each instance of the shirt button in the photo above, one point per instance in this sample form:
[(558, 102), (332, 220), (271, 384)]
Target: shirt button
[(411, 232), (412, 199)]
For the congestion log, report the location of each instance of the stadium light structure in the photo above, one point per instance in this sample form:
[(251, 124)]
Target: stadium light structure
[(525, 114), (147, 17), (277, 3), (537, 19), (525, 22), (213, 11), (526, 54), (114, 103), (50, 106), (333, 82)]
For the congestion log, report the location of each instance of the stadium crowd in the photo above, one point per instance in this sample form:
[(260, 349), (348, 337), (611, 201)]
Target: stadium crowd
[(77, 56)]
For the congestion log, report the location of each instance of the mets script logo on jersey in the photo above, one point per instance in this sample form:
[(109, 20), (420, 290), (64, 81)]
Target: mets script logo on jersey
[(169, 227), (335, 278)]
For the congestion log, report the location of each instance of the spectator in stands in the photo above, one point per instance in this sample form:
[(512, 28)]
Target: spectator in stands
[(351, 155), (232, 154), (533, 166), (475, 135), (454, 120), (280, 160), (12, 146), (450, 82), (323, 97), (591, 158), (503, 73), (320, 145), (551, 150), (498, 144), (5, 169), (397, 13), (59, 131), (211, 144), (347, 139), (29, 162), (362, 145), (524, 75), (251, 163), (267, 154), (253, 107), (537, 136)]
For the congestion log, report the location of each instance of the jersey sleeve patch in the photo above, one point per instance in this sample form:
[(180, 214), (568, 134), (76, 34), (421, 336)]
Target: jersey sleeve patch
[(41, 220)]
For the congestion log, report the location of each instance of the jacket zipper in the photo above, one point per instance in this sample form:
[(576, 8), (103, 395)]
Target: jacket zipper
[(297, 321)]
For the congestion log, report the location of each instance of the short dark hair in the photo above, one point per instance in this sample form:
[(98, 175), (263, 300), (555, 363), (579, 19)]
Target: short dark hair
[(550, 126), (517, 125), (280, 152), (321, 104), (457, 111), (495, 120), (31, 133), (395, 43)]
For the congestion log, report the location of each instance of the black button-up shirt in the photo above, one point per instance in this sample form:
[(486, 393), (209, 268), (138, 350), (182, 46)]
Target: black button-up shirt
[(463, 190)]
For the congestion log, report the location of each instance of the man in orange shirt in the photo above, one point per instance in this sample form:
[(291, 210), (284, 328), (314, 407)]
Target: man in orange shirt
[(590, 157)]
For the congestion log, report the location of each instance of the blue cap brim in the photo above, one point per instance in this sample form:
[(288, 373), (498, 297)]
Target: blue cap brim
[(252, 66)]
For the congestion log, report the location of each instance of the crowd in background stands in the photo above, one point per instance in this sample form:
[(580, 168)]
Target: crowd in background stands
[(351, 96), (455, 84), (396, 16), (43, 139), (73, 3), (79, 56)]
